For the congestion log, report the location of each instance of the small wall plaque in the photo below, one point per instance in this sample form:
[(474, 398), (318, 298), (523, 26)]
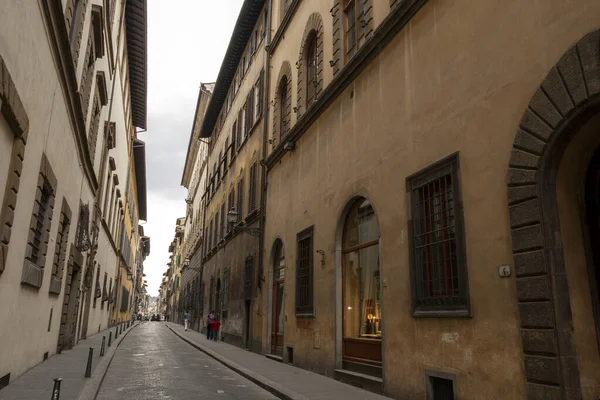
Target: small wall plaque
[(504, 271)]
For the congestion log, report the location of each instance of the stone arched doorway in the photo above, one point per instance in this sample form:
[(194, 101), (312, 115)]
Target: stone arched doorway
[(566, 101)]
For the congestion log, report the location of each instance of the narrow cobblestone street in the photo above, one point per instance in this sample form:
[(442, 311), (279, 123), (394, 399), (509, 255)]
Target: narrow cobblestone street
[(152, 363)]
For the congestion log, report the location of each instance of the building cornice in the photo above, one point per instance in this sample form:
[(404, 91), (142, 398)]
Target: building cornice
[(391, 25)]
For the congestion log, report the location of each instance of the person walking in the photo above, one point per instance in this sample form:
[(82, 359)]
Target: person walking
[(186, 320), (211, 316), (214, 329)]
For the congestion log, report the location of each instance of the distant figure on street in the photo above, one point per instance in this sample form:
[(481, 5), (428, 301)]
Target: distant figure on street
[(186, 320), (209, 321), (214, 329)]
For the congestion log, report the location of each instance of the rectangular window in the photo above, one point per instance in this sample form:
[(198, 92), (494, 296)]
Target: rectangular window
[(201, 299), (225, 153), (240, 198), (233, 141), (210, 238), (252, 189), (259, 95), (353, 26), (225, 293), (304, 274), (248, 274), (217, 231), (240, 123), (104, 292), (97, 291), (62, 237), (438, 260), (223, 226), (230, 205)]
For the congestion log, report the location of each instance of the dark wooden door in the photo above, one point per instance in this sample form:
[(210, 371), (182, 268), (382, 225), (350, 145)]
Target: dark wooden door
[(278, 319)]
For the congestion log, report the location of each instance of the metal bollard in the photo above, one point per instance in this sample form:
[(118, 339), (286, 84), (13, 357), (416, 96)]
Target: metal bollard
[(88, 368), (116, 332), (109, 338), (102, 347), (56, 389)]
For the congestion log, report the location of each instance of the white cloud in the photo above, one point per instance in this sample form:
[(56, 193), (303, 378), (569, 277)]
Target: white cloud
[(187, 40)]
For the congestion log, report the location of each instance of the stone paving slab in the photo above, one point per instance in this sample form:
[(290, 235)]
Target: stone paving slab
[(285, 381), (37, 383)]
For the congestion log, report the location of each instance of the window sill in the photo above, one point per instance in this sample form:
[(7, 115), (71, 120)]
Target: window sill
[(428, 313), (305, 315)]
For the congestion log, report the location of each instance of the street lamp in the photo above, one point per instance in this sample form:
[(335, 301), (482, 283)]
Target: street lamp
[(232, 218)]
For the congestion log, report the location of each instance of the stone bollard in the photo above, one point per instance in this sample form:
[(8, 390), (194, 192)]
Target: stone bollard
[(88, 368), (56, 389), (102, 347), (109, 338)]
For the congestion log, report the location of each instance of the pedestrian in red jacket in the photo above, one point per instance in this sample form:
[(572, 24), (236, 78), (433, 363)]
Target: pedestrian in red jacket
[(214, 328)]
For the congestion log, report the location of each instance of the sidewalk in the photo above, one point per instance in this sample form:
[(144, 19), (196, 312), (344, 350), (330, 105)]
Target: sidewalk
[(283, 380), (38, 382)]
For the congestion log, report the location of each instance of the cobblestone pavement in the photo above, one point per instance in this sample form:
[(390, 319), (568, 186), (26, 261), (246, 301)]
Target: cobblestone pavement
[(152, 363)]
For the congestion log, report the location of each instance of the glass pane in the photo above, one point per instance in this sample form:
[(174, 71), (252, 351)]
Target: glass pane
[(361, 225), (350, 28), (280, 309), (362, 304)]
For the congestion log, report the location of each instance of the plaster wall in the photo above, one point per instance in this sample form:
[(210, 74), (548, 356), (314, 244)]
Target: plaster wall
[(457, 86)]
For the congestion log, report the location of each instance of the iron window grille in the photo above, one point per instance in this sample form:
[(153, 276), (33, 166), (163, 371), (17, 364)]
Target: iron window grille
[(201, 299), (42, 214), (304, 274), (438, 260), (283, 106), (223, 222)]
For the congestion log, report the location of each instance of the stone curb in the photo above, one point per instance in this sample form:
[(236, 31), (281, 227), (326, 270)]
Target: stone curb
[(270, 386), (92, 386)]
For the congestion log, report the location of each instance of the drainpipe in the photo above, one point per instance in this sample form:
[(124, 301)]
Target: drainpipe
[(263, 191)]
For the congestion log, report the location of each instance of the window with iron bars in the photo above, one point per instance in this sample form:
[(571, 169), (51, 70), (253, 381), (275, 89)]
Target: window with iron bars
[(304, 274), (438, 259), (201, 299), (223, 220), (230, 205)]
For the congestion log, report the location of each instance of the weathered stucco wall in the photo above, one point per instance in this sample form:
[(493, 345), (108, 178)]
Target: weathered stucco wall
[(448, 82)]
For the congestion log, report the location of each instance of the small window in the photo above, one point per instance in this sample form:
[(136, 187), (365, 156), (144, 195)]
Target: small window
[(223, 227), (312, 63), (438, 261), (440, 386), (304, 274), (248, 275), (217, 232), (97, 291), (240, 123)]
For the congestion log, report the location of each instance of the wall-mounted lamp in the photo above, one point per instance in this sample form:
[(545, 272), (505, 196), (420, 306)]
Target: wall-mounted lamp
[(322, 253), (232, 218)]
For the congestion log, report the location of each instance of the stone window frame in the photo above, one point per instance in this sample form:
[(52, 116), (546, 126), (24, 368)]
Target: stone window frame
[(282, 112), (312, 31), (306, 309), (33, 271), (446, 306), (339, 38), (13, 111), (60, 248), (74, 22), (105, 293)]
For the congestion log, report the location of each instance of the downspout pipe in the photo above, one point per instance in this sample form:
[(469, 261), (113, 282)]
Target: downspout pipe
[(263, 191)]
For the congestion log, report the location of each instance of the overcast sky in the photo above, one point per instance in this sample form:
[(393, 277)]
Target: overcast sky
[(187, 40)]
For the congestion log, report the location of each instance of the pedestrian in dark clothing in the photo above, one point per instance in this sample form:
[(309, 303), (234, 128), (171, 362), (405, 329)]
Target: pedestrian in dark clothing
[(211, 317), (214, 329)]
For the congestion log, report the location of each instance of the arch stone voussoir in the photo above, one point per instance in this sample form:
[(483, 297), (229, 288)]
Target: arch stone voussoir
[(549, 358)]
